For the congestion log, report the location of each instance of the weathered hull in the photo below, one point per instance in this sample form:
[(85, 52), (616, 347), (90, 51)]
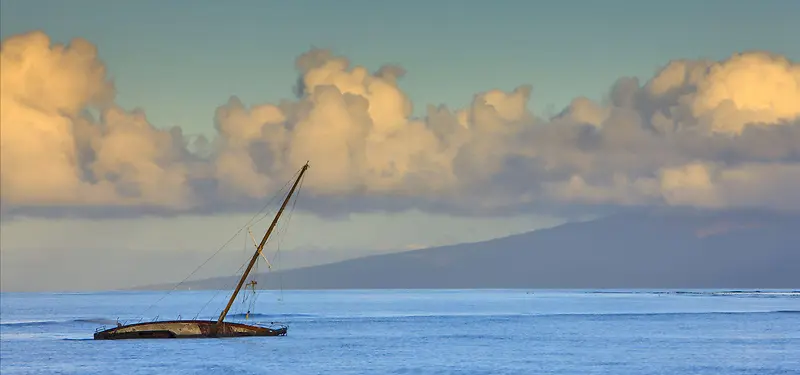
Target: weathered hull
[(175, 329)]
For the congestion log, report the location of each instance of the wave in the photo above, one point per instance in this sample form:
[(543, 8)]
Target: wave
[(712, 293), (22, 323), (270, 316), (491, 316), (743, 293)]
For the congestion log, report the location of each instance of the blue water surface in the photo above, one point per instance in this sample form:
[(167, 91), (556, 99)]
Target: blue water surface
[(415, 332)]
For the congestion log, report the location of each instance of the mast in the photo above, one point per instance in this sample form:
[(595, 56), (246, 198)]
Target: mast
[(261, 246)]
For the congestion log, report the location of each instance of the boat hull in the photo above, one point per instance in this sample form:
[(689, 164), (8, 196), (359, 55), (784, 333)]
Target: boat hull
[(175, 329)]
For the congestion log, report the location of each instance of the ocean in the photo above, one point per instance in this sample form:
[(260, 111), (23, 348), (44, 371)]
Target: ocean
[(697, 332)]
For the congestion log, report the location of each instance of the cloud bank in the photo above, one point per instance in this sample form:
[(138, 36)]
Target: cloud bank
[(711, 134)]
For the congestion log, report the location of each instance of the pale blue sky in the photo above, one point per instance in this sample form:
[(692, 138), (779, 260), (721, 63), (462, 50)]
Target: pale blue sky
[(180, 60)]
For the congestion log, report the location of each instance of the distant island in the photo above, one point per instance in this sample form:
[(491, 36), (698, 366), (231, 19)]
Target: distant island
[(654, 249)]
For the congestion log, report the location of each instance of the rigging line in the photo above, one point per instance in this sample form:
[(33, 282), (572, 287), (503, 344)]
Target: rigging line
[(283, 235), (283, 228), (286, 229), (280, 236), (264, 216), (233, 284), (213, 296), (219, 290), (251, 284), (269, 240), (237, 310), (220, 248), (284, 187), (251, 306)]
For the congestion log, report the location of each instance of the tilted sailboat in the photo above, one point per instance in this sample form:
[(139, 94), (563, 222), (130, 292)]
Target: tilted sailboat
[(206, 328)]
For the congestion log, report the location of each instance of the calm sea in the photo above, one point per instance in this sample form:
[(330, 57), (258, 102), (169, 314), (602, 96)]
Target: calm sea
[(416, 332)]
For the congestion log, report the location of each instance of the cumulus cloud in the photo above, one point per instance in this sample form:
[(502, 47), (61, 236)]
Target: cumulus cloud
[(54, 153), (712, 134)]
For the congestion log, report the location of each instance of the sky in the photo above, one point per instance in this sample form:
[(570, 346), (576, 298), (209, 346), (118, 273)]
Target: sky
[(543, 118)]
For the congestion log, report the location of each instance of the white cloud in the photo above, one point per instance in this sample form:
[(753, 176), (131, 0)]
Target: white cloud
[(699, 133)]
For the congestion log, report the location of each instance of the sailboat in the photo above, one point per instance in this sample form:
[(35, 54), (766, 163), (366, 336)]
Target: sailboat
[(206, 328)]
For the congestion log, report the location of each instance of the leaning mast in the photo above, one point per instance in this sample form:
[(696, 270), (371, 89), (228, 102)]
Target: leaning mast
[(261, 246)]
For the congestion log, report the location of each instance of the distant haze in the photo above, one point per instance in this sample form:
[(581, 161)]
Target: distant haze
[(86, 270), (69, 255), (639, 250)]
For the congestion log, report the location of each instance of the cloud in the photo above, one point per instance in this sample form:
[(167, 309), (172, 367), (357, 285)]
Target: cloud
[(714, 134), (54, 153)]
